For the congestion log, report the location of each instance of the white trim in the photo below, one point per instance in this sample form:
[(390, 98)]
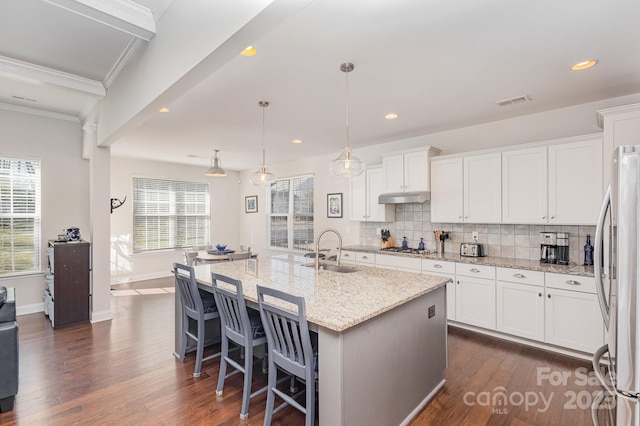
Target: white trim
[(126, 54), (422, 404), (101, 316), (30, 309), (141, 277), (40, 112), (126, 16)]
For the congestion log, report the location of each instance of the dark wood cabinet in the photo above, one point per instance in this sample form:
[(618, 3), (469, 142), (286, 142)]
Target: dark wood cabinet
[(71, 283)]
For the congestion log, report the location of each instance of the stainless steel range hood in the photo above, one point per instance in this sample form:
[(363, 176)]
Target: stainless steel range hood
[(404, 197)]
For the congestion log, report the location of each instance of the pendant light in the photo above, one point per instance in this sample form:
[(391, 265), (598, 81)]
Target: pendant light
[(262, 176), (347, 164), (215, 169)]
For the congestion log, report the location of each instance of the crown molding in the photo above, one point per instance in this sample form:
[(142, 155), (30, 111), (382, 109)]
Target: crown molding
[(126, 54), (31, 73), (123, 15), (40, 112)]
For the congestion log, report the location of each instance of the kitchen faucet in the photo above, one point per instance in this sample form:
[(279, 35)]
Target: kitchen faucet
[(318, 246)]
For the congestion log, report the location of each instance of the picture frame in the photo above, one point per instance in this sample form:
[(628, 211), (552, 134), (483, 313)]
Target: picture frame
[(251, 266), (251, 204), (334, 205)]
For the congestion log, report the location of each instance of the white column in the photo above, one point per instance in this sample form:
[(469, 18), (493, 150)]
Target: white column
[(100, 225)]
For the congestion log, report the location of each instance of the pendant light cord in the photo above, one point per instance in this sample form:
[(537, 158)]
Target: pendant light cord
[(347, 108)]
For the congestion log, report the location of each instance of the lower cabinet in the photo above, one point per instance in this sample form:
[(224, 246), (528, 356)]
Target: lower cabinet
[(520, 310), (476, 301), (447, 270)]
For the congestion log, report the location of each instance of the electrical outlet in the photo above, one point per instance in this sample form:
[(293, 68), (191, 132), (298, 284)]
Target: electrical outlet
[(432, 311), (474, 235), (378, 231)]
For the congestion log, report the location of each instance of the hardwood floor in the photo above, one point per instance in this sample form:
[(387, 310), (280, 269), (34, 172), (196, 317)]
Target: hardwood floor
[(123, 372)]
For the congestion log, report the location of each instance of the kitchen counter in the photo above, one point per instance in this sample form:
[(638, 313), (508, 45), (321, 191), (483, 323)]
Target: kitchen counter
[(369, 322), (533, 265)]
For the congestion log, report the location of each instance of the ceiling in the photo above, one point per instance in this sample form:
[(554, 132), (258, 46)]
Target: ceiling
[(439, 64)]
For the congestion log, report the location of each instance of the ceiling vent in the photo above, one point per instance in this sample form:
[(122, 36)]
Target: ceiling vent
[(516, 100)]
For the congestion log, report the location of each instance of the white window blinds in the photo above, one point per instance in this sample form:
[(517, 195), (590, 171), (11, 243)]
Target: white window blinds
[(291, 213), (170, 214), (19, 215)]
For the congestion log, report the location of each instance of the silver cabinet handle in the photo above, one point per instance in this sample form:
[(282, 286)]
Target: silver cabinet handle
[(365, 257), (345, 254), (544, 217), (548, 296), (573, 282), (474, 270), (437, 265), (539, 294), (553, 217), (459, 217), (519, 275)]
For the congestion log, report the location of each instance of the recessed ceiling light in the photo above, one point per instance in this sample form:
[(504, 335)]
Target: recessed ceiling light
[(248, 51), (164, 109), (584, 65), (296, 141), (391, 116)]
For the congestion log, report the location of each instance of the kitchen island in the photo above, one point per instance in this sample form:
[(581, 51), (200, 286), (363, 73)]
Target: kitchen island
[(382, 337)]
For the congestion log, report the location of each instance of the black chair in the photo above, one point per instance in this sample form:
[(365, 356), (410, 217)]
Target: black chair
[(8, 349), (242, 327), (197, 305), (289, 349)]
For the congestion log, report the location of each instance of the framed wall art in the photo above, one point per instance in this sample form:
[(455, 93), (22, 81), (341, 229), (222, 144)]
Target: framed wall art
[(251, 204), (334, 205)]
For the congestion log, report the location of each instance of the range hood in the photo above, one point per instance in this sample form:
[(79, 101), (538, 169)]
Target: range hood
[(404, 197)]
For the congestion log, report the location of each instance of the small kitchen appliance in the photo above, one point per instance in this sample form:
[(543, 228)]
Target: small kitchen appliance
[(548, 247), (562, 240), (472, 250)]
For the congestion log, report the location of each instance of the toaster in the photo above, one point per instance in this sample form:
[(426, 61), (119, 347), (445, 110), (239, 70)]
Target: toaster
[(472, 250)]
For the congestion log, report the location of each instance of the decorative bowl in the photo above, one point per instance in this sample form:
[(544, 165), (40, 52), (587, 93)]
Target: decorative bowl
[(221, 247)]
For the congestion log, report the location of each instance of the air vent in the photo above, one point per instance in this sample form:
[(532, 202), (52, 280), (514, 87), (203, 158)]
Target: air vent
[(516, 100)]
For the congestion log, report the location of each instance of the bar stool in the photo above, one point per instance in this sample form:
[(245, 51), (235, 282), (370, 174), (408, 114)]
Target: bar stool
[(289, 349), (244, 329), (198, 305)]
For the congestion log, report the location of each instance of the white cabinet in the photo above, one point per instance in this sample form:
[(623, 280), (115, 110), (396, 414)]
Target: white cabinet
[(409, 171), (348, 257), (524, 186), (572, 313), (357, 258), (520, 303), (365, 190), (447, 270), (466, 189), (621, 127), (482, 188), (575, 182), (446, 190), (476, 295), (399, 263)]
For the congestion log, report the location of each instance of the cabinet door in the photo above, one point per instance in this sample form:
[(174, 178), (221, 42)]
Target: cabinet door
[(393, 166), (482, 188), (476, 302), (416, 171), (446, 190), (520, 310), (376, 186), (524, 186), (358, 199), (575, 182), (573, 320)]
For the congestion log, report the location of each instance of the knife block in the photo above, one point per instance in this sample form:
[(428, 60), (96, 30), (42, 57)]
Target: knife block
[(387, 244)]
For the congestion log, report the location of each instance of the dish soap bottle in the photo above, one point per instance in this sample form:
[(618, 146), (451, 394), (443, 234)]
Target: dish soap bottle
[(421, 244), (588, 251), (405, 243)]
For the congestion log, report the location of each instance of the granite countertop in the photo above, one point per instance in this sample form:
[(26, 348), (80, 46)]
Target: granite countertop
[(532, 265), (333, 300)]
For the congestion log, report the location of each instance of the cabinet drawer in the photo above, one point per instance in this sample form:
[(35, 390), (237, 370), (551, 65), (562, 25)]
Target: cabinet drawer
[(400, 262), (476, 271), (520, 276), (365, 258), (571, 282), (438, 266), (348, 257)]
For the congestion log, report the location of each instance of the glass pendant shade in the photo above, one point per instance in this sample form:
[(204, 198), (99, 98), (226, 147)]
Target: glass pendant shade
[(216, 169), (346, 165), (262, 177)]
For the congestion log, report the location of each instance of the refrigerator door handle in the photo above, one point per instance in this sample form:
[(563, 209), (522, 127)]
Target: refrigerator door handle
[(597, 265), (606, 383)]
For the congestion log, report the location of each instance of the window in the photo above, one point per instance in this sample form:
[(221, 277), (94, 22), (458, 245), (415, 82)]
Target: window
[(19, 215), (291, 213), (169, 214)]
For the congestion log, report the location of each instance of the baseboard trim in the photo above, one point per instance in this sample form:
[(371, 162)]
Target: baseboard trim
[(30, 309), (100, 316), (423, 404)]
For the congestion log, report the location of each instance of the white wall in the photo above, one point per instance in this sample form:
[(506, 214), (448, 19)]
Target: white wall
[(225, 221), (65, 186)]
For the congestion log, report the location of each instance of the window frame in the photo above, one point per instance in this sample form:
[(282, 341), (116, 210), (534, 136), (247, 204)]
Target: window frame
[(291, 245), (176, 220), (36, 215)]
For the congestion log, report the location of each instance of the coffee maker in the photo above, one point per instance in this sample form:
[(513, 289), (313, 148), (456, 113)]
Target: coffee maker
[(562, 239), (548, 247)]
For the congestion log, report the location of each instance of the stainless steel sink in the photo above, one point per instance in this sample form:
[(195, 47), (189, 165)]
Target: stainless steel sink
[(334, 268)]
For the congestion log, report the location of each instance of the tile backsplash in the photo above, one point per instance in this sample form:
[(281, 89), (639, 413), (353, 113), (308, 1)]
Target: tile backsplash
[(509, 241)]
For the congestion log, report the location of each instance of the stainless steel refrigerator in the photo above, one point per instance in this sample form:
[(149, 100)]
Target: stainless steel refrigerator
[(616, 268)]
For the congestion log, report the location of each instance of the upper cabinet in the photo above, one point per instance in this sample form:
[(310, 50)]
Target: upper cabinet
[(365, 190), (621, 127), (524, 185), (409, 171), (466, 189)]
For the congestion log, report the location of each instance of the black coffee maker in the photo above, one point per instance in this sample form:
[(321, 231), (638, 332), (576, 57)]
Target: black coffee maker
[(548, 247), (562, 239)]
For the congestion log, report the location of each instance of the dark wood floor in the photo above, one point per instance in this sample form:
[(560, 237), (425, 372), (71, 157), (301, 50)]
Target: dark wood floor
[(123, 372)]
